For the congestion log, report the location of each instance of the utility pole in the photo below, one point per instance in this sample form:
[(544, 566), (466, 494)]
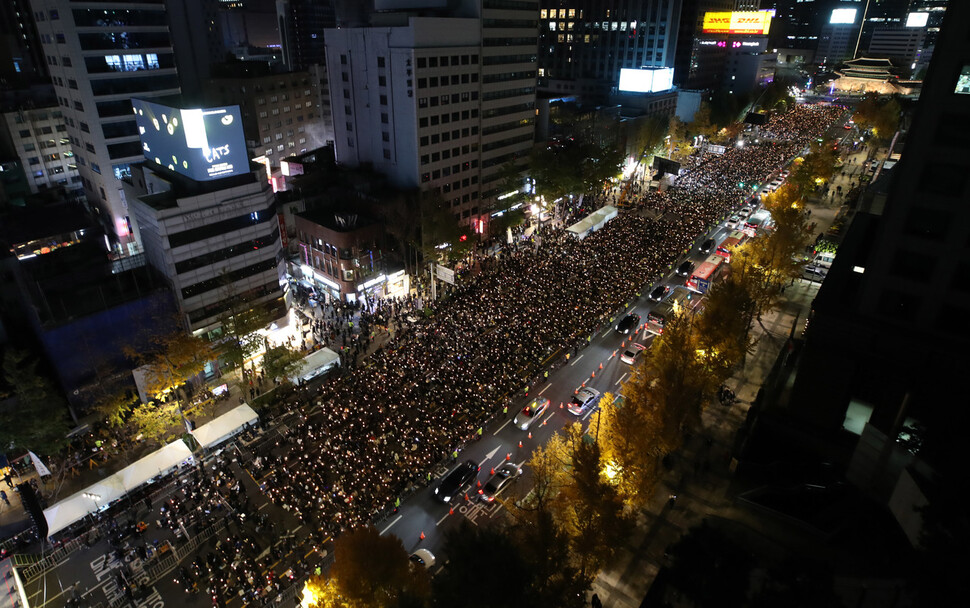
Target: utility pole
[(434, 293)]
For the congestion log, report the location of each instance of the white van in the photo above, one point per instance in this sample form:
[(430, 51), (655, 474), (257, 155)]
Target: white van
[(823, 259)]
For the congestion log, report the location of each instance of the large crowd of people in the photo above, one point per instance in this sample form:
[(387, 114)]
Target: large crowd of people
[(382, 428)]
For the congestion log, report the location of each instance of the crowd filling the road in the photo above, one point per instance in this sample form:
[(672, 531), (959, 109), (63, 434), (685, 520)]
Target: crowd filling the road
[(357, 445), (381, 429)]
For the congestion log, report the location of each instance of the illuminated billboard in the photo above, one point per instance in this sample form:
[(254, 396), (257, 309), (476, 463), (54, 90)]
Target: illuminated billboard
[(737, 22), (646, 80), (200, 143), (843, 16), (917, 19)]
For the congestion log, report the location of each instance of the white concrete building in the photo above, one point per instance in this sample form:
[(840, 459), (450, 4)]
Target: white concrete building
[(438, 102), (217, 242), (100, 54), (39, 138)]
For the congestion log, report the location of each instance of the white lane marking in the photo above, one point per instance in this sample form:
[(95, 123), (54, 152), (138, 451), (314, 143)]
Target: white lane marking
[(492, 453), (544, 390), (263, 507), (396, 519), (606, 333), (442, 519), (622, 378), (587, 414), (502, 427), (576, 360)]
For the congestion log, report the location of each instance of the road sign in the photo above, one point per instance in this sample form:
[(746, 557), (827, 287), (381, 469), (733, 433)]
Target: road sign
[(444, 274)]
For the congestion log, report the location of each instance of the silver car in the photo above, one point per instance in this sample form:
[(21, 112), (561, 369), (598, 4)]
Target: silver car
[(504, 475), (583, 401), (530, 413)]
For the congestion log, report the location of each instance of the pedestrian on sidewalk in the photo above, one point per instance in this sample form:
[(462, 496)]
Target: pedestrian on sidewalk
[(3, 497), (595, 601)]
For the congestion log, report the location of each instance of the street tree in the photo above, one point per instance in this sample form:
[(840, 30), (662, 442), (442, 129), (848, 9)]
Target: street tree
[(472, 551), (514, 200), (625, 431), (770, 262), (443, 237), (702, 125), (373, 571), (591, 509), (724, 328), (37, 419), (281, 362), (157, 422), (240, 339), (814, 169), (556, 582), (878, 114), (171, 360), (573, 168)]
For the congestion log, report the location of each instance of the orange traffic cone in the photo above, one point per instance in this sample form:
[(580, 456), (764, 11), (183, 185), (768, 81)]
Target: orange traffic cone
[(623, 344), (466, 495), (508, 456), (601, 366), (544, 422), (422, 535), (478, 484), (594, 375), (451, 511), (530, 434), (493, 471), (520, 443)]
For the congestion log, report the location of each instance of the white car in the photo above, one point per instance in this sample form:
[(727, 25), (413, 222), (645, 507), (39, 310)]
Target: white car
[(732, 222), (530, 413), (583, 401), (632, 353), (423, 557)]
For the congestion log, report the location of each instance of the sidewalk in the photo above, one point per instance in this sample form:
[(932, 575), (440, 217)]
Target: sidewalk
[(702, 477)]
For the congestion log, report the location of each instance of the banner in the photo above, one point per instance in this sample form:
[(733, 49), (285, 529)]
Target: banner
[(39, 465)]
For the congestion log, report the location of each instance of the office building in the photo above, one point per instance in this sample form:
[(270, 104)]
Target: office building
[(280, 111), (451, 94), (100, 54), (687, 58), (38, 138), (21, 55), (888, 320), (836, 43), (208, 216), (902, 45), (197, 40), (301, 26), (217, 243), (591, 41)]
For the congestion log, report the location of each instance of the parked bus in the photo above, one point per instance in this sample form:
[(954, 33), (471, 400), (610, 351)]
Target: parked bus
[(727, 245), (679, 298), (705, 274)]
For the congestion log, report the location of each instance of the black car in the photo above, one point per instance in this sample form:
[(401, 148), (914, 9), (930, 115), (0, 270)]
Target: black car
[(707, 246), (685, 269), (455, 481), (628, 323), (658, 292)]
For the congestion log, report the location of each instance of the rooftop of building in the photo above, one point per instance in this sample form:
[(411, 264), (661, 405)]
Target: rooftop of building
[(338, 221), (184, 187)]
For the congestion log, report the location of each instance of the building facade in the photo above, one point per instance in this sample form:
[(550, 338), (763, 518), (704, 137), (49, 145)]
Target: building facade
[(593, 40), (902, 45), (21, 55), (453, 96), (341, 254), (217, 243), (100, 54), (280, 111), (38, 137)]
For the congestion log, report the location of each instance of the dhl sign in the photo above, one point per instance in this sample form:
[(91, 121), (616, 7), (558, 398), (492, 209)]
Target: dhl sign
[(737, 22)]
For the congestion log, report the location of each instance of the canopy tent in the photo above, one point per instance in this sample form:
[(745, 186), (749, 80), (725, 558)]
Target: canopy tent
[(109, 489), (225, 426), (315, 364), (592, 222)]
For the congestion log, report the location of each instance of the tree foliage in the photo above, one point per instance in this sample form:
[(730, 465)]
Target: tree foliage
[(768, 263), (157, 422), (878, 114), (38, 420), (702, 125), (281, 362), (573, 168), (240, 325), (369, 571), (475, 550), (814, 169), (439, 226)]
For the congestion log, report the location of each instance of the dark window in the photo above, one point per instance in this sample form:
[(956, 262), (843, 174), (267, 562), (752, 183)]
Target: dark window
[(928, 224), (945, 179), (203, 232), (380, 62), (912, 265), (228, 252), (899, 305)]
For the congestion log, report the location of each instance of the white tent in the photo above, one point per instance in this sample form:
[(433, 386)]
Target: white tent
[(225, 426), (592, 222), (109, 489), (315, 364)]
